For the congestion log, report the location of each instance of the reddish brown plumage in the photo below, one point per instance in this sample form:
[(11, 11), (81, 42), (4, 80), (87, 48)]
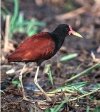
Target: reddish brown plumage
[(38, 47), (42, 46)]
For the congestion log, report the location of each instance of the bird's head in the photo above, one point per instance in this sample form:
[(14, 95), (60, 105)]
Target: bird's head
[(65, 30)]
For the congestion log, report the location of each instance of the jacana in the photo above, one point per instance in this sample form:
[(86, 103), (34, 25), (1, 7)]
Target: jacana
[(41, 47)]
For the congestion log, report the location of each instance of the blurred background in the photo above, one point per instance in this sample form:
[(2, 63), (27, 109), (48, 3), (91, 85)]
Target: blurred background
[(21, 19)]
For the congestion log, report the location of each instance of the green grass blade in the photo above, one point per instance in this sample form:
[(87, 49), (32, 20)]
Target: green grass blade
[(97, 109), (71, 88), (49, 72), (56, 108), (84, 72), (87, 109), (16, 83), (68, 57), (60, 106), (15, 14), (20, 20)]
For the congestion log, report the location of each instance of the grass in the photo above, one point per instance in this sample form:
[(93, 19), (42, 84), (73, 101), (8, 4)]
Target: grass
[(77, 87), (97, 65), (68, 57), (56, 108), (18, 24), (72, 88), (48, 71)]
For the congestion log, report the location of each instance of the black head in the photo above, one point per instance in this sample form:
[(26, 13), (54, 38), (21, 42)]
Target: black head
[(63, 30)]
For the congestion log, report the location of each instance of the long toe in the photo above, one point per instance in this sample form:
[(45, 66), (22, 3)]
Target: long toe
[(48, 99), (25, 98)]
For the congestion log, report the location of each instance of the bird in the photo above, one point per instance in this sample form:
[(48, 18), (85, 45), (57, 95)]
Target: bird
[(40, 47)]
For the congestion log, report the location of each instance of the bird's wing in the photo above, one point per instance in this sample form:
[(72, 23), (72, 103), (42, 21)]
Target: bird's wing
[(37, 47)]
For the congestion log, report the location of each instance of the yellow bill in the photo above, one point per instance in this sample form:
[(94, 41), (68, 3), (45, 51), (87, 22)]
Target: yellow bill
[(76, 34), (72, 32)]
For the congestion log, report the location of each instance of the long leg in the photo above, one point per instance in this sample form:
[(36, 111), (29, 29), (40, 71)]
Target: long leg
[(20, 78), (36, 83)]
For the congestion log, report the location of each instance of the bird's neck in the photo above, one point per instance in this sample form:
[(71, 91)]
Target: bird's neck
[(58, 39)]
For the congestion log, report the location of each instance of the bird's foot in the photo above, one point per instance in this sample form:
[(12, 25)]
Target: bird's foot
[(48, 99), (25, 98)]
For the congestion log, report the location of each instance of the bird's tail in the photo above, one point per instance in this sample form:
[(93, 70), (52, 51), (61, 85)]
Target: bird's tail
[(13, 57)]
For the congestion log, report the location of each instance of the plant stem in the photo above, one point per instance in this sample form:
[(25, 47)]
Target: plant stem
[(6, 33), (83, 73), (87, 94), (15, 14)]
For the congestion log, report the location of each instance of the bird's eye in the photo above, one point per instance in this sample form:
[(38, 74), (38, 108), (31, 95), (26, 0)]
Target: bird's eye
[(68, 29)]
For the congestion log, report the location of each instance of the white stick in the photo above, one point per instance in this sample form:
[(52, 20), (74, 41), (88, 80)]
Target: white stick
[(6, 33)]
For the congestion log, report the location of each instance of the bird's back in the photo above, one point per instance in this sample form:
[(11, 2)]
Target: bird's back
[(38, 47)]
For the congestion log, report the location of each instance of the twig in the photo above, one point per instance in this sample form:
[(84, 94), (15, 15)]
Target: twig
[(83, 73), (87, 94), (71, 14), (6, 33)]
